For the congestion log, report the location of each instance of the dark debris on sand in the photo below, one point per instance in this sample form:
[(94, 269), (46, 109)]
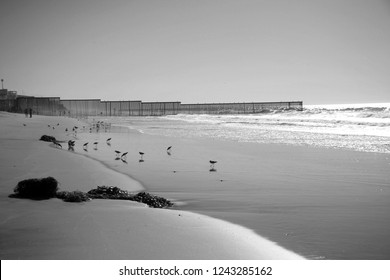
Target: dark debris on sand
[(103, 192), (47, 138), (46, 188), (74, 196)]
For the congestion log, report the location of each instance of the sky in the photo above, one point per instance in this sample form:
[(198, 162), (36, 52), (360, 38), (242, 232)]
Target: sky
[(195, 51)]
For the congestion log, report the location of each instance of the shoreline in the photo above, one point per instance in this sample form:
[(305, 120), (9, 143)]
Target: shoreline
[(101, 229), (318, 202)]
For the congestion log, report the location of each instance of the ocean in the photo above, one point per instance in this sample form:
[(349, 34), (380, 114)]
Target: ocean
[(359, 127), (320, 187)]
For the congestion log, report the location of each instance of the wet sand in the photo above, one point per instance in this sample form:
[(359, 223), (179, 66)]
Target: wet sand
[(320, 203), (101, 229)]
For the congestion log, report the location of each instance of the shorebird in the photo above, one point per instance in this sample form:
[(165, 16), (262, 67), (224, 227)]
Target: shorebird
[(141, 154), (169, 148), (117, 153), (71, 145), (95, 143), (58, 145), (124, 155), (212, 162), (108, 140)]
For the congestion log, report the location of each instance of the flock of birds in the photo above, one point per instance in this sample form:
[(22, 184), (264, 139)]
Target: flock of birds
[(119, 154)]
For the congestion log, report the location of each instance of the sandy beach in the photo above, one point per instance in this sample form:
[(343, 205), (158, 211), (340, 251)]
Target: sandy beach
[(318, 202), (104, 229)]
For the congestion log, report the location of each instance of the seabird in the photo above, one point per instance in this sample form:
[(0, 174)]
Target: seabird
[(108, 140), (117, 153), (124, 155), (57, 144), (169, 148), (212, 162), (71, 145), (142, 154)]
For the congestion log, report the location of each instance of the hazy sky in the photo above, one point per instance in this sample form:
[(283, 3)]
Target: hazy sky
[(318, 51)]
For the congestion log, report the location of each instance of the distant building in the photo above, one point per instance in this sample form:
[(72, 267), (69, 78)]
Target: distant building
[(7, 94)]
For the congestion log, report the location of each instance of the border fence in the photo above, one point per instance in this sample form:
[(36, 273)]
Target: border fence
[(54, 106), (49, 106), (238, 108)]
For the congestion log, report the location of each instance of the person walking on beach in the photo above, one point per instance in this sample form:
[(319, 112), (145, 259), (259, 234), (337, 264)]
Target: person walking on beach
[(30, 113)]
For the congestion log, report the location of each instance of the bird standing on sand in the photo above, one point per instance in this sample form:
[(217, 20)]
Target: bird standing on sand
[(58, 145), (71, 145)]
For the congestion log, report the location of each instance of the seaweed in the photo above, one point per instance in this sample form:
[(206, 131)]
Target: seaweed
[(73, 196), (39, 189), (48, 138), (103, 192), (46, 188)]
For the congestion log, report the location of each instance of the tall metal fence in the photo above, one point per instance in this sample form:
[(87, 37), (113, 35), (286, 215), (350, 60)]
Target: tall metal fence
[(7, 104), (159, 108), (120, 108), (81, 107), (95, 107), (238, 108), (49, 106)]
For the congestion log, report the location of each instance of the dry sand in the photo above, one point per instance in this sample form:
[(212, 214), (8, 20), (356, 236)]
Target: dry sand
[(53, 229)]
